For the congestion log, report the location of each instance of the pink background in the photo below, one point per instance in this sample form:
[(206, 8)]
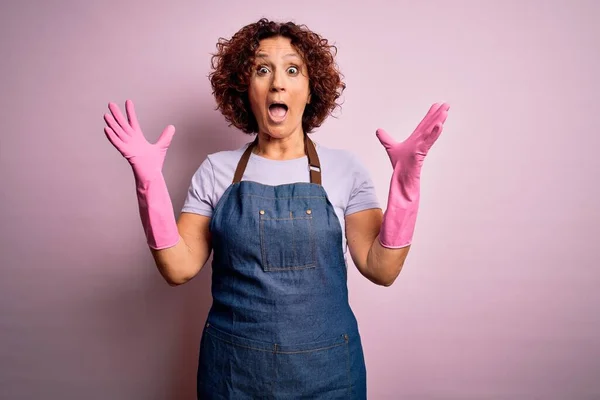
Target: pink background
[(499, 296)]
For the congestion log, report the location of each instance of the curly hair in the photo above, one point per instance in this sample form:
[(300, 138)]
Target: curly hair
[(232, 67)]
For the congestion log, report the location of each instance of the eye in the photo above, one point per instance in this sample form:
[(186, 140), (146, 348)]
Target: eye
[(293, 70), (262, 70)]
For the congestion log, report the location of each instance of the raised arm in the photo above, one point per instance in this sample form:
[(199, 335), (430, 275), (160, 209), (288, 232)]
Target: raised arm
[(180, 249), (379, 244)]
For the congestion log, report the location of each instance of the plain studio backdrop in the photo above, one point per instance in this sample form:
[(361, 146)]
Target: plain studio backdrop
[(499, 296)]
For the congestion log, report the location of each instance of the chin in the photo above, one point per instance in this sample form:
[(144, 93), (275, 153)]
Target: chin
[(279, 131)]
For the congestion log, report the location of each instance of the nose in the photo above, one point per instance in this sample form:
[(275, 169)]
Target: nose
[(278, 82)]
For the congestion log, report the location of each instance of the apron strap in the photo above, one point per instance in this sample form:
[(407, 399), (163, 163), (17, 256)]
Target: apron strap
[(241, 167), (314, 165)]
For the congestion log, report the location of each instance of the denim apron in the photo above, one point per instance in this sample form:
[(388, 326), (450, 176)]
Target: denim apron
[(280, 326)]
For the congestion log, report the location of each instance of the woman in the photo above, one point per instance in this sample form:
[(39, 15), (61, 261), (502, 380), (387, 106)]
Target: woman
[(278, 214)]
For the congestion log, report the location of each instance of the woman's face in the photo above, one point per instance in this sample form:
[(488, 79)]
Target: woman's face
[(279, 89)]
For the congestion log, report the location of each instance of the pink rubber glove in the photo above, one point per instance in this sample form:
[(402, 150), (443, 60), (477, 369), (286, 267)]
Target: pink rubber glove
[(407, 159), (146, 160)]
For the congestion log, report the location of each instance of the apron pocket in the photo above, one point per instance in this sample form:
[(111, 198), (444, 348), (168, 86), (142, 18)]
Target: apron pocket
[(232, 367), (316, 370), (287, 242)]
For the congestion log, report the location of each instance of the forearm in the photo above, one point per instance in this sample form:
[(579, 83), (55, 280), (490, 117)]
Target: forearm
[(384, 264), (174, 263), (181, 262), (389, 250), (171, 254)]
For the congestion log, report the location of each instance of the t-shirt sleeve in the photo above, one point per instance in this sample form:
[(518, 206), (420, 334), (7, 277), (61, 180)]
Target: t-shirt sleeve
[(362, 195), (200, 194)]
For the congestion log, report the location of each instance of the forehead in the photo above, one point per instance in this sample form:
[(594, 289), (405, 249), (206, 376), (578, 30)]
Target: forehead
[(277, 47)]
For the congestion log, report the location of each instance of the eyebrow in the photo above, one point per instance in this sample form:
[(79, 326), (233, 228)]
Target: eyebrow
[(265, 55)]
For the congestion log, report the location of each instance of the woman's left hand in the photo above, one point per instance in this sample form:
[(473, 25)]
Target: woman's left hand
[(407, 156), (407, 159)]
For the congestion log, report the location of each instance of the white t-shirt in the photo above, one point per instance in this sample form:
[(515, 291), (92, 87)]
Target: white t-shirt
[(346, 181)]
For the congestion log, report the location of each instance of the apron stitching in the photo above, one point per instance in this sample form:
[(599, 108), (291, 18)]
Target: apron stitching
[(311, 238), (283, 219), (348, 366), (237, 344), (311, 350), (262, 244), (306, 266), (282, 197), (294, 252)]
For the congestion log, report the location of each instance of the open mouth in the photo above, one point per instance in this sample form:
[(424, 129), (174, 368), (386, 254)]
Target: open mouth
[(278, 111)]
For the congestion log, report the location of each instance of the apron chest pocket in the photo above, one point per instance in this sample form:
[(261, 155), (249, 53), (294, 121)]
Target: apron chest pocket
[(287, 241)]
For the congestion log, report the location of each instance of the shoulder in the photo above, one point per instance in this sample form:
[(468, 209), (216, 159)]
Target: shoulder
[(337, 155), (226, 157), (339, 159), (222, 160)]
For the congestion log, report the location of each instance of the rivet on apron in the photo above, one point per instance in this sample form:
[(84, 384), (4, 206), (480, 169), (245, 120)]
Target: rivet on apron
[(262, 212), (309, 212)]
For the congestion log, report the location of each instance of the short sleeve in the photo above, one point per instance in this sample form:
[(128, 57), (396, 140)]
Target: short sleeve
[(362, 194), (200, 195)]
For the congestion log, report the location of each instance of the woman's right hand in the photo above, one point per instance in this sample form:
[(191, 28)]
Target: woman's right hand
[(146, 159), (183, 258), (126, 135)]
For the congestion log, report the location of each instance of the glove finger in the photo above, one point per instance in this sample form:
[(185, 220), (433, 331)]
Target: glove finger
[(434, 134), (131, 116), (386, 140), (116, 112), (114, 139), (435, 107), (164, 141), (115, 127), (441, 114)]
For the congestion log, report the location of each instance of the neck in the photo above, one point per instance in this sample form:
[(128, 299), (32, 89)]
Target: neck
[(286, 148)]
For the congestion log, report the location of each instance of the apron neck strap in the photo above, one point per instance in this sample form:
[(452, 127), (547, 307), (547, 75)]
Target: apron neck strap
[(314, 165)]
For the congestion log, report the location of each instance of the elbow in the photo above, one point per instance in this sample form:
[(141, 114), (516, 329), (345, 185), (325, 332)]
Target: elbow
[(383, 266), (386, 279), (382, 280), (387, 282), (174, 282), (175, 279)]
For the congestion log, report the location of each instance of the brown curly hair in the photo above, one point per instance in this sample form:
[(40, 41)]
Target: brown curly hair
[(233, 63)]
